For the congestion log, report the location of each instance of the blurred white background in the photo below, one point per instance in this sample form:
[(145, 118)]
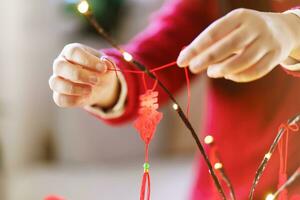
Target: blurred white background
[(90, 160)]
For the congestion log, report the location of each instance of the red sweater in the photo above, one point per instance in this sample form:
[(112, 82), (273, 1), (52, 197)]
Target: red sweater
[(243, 117)]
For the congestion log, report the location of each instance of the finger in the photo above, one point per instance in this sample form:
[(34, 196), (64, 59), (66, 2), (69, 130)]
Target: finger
[(110, 65), (92, 51), (210, 35), (78, 54), (240, 62), (74, 72), (67, 101), (258, 70), (234, 42), (291, 64), (63, 86)]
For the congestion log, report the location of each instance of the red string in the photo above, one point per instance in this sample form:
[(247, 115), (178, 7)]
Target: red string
[(144, 82), (156, 82), (188, 91), (164, 66), (292, 73), (127, 71), (141, 72), (113, 64), (147, 153)]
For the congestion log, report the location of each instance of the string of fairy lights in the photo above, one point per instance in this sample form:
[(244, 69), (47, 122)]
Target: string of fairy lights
[(218, 165), (84, 8)]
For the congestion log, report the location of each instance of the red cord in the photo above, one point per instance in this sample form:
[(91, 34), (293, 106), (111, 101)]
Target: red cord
[(147, 153), (292, 73), (156, 82), (188, 91), (127, 71), (144, 82), (164, 66)]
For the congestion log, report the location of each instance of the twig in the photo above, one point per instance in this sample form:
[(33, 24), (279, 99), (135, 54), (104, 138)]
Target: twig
[(218, 165), (291, 180)]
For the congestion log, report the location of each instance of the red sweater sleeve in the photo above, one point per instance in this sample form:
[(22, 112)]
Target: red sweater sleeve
[(170, 29), (292, 73)]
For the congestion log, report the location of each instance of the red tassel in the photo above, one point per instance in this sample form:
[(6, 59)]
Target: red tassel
[(53, 197), (283, 157), (292, 73), (145, 187), (283, 151), (295, 197), (284, 194)]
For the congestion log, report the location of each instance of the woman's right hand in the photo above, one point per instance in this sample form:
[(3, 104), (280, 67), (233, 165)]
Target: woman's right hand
[(80, 78)]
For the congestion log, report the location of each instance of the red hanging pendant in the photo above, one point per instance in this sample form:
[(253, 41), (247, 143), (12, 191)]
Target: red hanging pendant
[(149, 117), (146, 124)]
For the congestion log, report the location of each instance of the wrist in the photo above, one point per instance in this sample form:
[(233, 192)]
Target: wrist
[(111, 97), (106, 94), (117, 107)]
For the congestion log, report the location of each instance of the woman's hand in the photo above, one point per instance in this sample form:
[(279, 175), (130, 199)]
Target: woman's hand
[(80, 78), (243, 46)]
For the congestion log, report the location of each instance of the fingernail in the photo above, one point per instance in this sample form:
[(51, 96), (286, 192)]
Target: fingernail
[(100, 67), (93, 79), (181, 60), (214, 73), (211, 73), (193, 69)]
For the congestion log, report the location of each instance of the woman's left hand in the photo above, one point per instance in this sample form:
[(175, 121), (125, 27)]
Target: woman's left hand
[(243, 46)]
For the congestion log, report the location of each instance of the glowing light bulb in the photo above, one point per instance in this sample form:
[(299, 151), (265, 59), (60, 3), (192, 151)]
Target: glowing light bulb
[(127, 57), (208, 139), (218, 165), (175, 106), (270, 197), (83, 7), (268, 155)]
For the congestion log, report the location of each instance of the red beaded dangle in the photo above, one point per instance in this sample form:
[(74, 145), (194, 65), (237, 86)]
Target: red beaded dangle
[(146, 123)]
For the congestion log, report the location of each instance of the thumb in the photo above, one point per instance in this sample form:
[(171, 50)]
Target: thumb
[(84, 56)]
